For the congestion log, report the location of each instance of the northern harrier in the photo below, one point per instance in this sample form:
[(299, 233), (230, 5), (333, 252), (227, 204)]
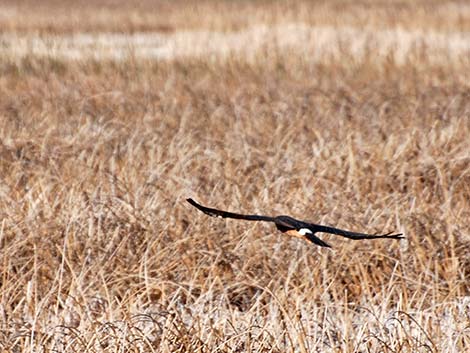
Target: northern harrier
[(294, 227)]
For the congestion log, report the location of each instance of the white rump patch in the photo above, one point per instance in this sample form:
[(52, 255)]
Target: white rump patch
[(303, 231)]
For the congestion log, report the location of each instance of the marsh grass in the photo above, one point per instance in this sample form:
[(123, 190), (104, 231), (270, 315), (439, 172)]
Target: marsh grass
[(100, 252)]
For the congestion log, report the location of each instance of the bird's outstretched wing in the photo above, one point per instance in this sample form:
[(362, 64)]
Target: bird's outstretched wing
[(352, 235), (224, 214)]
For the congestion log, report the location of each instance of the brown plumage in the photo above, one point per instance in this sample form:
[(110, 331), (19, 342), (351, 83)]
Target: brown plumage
[(294, 227)]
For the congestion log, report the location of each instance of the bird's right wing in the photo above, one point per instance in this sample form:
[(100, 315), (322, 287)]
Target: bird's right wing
[(224, 214)]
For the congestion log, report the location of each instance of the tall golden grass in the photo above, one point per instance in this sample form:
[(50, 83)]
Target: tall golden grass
[(100, 252)]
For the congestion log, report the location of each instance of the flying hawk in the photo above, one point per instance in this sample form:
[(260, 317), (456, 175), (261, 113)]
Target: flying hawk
[(294, 227)]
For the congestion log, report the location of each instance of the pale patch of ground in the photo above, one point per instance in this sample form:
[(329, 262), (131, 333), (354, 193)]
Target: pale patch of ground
[(316, 44)]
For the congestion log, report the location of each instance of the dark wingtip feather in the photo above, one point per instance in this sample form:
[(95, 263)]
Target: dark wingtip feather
[(195, 204), (396, 236), (191, 201), (390, 235)]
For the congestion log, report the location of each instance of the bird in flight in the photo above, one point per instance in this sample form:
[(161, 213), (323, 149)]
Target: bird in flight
[(295, 228)]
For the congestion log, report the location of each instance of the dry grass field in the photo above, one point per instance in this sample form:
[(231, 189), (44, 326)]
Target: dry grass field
[(354, 114)]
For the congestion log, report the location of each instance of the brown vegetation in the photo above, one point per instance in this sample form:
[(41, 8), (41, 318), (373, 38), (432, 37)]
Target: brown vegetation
[(100, 253)]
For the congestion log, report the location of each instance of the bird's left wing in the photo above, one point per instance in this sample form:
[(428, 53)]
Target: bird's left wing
[(353, 235)]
